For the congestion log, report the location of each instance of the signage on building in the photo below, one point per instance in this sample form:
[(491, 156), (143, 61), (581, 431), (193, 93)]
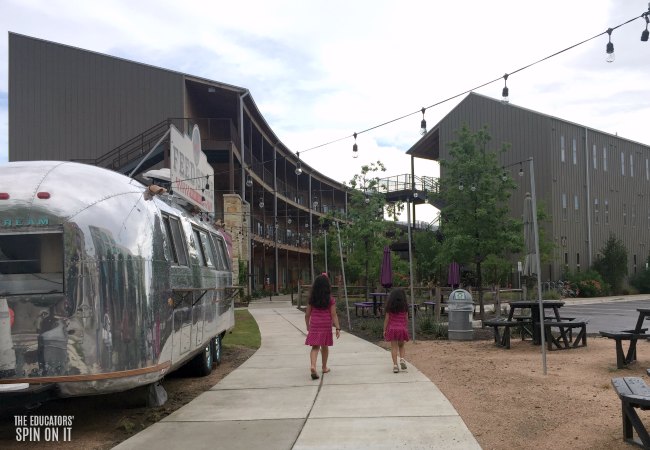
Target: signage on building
[(190, 171)]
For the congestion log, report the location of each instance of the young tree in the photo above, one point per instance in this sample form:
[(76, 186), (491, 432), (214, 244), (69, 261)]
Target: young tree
[(364, 230), (611, 263), (474, 190)]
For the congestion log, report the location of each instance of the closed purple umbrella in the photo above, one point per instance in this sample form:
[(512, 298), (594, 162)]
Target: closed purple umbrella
[(453, 277), (386, 274)]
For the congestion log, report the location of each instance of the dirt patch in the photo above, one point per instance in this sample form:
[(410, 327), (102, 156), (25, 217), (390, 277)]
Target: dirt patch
[(101, 422), (507, 402)]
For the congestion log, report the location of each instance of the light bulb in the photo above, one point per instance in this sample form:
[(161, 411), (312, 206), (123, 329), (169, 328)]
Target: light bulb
[(461, 187), (261, 203), (298, 169), (355, 151), (505, 95), (249, 181)]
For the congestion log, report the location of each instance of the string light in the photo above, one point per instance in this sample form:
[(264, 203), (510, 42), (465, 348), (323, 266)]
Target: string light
[(423, 124), (505, 92), (521, 169), (249, 181), (355, 148), (610, 47), (298, 166)]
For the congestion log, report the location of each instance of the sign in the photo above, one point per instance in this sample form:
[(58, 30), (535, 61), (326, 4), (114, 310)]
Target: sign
[(190, 171)]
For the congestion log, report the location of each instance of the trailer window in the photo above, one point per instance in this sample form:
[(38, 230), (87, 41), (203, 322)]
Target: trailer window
[(218, 256), (220, 247), (207, 249), (31, 263), (175, 237)]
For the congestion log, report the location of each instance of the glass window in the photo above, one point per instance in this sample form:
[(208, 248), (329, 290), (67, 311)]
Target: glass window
[(631, 165), (178, 241), (562, 148), (606, 212), (31, 263), (218, 256), (564, 209), (575, 152), (647, 170), (596, 215), (633, 215), (604, 159), (197, 246), (624, 214), (593, 151), (576, 207), (223, 252), (622, 163), (206, 246)]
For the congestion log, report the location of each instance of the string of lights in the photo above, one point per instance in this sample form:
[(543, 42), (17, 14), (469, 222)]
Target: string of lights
[(609, 49)]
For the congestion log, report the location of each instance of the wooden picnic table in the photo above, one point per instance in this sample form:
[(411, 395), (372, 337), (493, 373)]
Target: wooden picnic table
[(518, 306), (377, 301), (624, 358)]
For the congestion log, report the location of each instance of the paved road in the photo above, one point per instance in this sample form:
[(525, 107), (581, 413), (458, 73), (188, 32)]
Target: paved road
[(607, 315)]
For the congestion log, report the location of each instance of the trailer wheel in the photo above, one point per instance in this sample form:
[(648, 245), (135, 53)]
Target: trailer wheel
[(216, 350), (202, 362)]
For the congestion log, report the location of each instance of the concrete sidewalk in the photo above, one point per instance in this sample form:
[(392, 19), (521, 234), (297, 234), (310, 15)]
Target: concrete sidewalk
[(270, 401)]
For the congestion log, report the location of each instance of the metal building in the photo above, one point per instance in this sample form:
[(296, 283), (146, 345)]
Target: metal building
[(66, 103), (592, 183)]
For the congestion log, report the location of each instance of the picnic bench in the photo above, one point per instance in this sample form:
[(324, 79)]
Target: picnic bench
[(564, 339), (634, 393), (502, 339), (623, 359), (365, 307)]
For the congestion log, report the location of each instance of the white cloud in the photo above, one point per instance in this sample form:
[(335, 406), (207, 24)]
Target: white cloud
[(321, 70)]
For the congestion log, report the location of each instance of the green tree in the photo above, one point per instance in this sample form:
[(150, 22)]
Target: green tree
[(364, 230), (611, 263), (474, 190)]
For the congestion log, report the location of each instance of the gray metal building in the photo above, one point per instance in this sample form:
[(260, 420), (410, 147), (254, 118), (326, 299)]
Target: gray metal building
[(592, 183), (66, 103)]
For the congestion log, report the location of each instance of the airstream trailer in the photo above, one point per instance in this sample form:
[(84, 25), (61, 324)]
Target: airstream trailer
[(104, 285)]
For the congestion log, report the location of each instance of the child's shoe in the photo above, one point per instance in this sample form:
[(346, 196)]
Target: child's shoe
[(402, 363), (395, 369)]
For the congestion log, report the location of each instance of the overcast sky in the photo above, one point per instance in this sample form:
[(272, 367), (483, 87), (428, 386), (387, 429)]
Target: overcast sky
[(321, 70)]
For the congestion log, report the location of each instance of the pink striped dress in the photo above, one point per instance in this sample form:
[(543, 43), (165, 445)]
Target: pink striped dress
[(397, 328), (320, 326)]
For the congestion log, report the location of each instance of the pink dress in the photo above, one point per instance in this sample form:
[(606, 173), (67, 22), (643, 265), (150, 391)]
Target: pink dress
[(397, 328), (320, 326)]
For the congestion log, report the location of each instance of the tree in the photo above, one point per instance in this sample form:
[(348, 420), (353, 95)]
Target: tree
[(474, 190), (611, 263), (364, 229)]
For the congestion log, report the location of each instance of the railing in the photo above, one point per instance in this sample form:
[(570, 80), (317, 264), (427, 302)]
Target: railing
[(211, 129), (405, 182)]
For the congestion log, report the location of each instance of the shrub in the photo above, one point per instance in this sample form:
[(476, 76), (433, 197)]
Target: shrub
[(427, 325), (641, 282), (587, 284)]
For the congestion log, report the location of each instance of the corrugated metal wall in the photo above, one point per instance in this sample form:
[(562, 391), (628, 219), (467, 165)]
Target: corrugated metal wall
[(67, 103), (586, 201)]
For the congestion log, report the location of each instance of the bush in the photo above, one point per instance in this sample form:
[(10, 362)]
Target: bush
[(427, 325), (587, 284), (641, 282)]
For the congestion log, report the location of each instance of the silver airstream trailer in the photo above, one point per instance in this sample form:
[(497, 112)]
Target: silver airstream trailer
[(104, 285)]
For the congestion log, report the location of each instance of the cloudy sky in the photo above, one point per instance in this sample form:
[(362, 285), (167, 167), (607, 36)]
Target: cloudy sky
[(321, 70)]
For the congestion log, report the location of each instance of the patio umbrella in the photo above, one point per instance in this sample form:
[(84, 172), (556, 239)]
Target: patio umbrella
[(530, 260), (453, 275), (386, 274)]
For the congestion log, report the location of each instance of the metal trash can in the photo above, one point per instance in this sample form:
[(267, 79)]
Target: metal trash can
[(461, 310)]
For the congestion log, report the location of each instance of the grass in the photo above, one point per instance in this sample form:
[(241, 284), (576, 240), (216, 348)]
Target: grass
[(246, 332)]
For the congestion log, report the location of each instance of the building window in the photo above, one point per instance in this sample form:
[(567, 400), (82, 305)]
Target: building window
[(631, 165), (622, 163), (576, 207), (604, 159), (606, 212), (578, 262), (594, 157), (562, 148), (575, 152), (624, 214), (633, 215), (566, 259), (647, 170), (596, 220), (564, 210), (634, 263)]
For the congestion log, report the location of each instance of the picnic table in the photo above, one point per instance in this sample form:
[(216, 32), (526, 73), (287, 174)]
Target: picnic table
[(623, 358), (377, 300), (519, 306)]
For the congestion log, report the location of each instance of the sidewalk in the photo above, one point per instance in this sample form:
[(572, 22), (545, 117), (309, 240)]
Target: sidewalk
[(270, 401)]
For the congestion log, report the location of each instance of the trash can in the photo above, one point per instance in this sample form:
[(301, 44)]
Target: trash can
[(461, 310)]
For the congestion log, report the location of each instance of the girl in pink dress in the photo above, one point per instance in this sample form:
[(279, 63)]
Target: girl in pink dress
[(320, 314), (396, 326)]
